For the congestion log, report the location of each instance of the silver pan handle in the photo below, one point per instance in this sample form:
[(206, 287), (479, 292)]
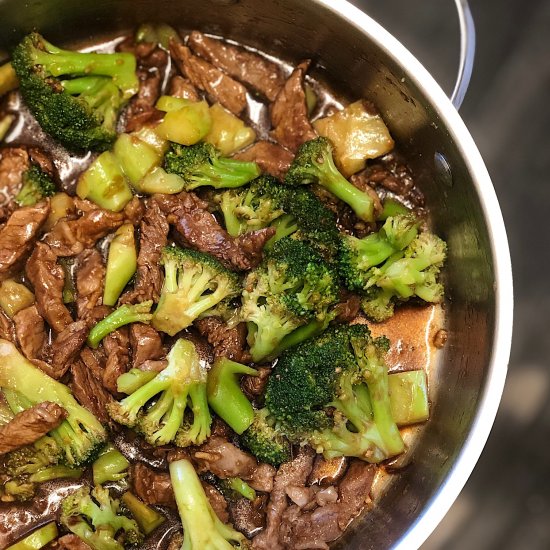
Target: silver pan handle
[(467, 52)]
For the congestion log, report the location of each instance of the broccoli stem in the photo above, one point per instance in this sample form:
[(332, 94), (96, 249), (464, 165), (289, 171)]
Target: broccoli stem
[(225, 173), (284, 226), (8, 79), (85, 84), (202, 528), (111, 465), (313, 328), (37, 539), (124, 315), (147, 518), (241, 487), (56, 472), (225, 396), (409, 397), (5, 125), (130, 381), (391, 208), (136, 157), (121, 263)]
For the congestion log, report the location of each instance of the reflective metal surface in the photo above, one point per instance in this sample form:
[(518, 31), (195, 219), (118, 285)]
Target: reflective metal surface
[(359, 59)]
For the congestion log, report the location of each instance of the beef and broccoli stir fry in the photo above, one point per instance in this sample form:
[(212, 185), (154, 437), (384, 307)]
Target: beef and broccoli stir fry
[(185, 352)]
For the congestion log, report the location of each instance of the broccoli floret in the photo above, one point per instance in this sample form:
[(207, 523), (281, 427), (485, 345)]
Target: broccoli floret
[(291, 288), (313, 163), (163, 422), (201, 165), (411, 272), (76, 97), (332, 393), (194, 283), (357, 256), (94, 517), (37, 185), (124, 315), (254, 207), (265, 441), (202, 529), (80, 436)]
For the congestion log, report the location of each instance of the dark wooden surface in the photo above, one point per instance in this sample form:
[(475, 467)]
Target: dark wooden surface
[(506, 503)]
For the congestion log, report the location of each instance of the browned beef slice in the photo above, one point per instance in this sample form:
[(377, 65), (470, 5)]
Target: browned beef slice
[(261, 74), (66, 348), (18, 236), (14, 162), (48, 279), (7, 328), (294, 473), (327, 472), (95, 361), (146, 344), (151, 486), (270, 157), (218, 86), (154, 231), (30, 425), (182, 87), (217, 501), (200, 230), (247, 516), (71, 542), (134, 211), (89, 392), (117, 348), (254, 386), (90, 276), (71, 237), (29, 328), (289, 118), (348, 308), (227, 342)]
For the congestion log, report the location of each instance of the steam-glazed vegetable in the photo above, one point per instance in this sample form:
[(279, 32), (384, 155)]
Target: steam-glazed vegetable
[(228, 133), (14, 297), (185, 122)]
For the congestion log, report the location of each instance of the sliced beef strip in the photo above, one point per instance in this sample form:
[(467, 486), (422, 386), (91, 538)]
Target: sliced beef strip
[(18, 236), (71, 237), (218, 86), (247, 516), (30, 425), (289, 117), (217, 501), (90, 393), (29, 328), (146, 344), (327, 472), (117, 348), (134, 211), (270, 157), (66, 348), (90, 276), (94, 360), (71, 542), (348, 308), (153, 234), (151, 486), (200, 230), (293, 473), (182, 87), (14, 162), (254, 386), (7, 328), (48, 279), (262, 75), (227, 342)]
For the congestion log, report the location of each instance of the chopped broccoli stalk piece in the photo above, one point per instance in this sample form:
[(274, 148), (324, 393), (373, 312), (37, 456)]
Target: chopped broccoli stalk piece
[(236, 486), (111, 465), (332, 393), (284, 226), (121, 263), (56, 472), (76, 97), (136, 157), (5, 125), (146, 517), (265, 441), (392, 207), (225, 396), (185, 125), (130, 381), (313, 163), (201, 165), (159, 181), (80, 436), (201, 526), (194, 283), (409, 397), (14, 297), (37, 539), (292, 287), (228, 133), (105, 184), (124, 315), (161, 34), (357, 256), (8, 79), (163, 422), (95, 517), (37, 185)]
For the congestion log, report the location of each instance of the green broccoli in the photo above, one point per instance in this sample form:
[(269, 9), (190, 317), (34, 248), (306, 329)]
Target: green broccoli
[(80, 437), (95, 517), (313, 163), (37, 539), (201, 165), (332, 393), (357, 256), (194, 283), (124, 315), (265, 441), (292, 288), (411, 272), (163, 422), (37, 185), (233, 488), (146, 517), (110, 465), (76, 97), (202, 529)]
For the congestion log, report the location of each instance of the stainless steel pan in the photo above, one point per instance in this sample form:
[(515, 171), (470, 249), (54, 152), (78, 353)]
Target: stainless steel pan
[(360, 59)]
